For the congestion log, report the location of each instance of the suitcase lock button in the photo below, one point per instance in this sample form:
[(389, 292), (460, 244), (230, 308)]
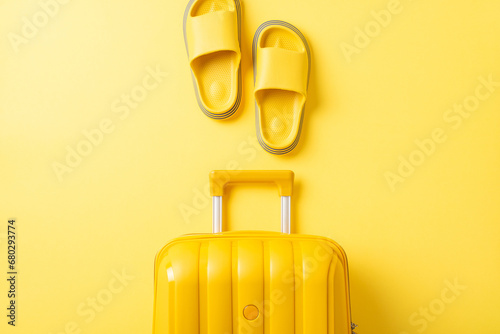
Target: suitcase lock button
[(251, 312)]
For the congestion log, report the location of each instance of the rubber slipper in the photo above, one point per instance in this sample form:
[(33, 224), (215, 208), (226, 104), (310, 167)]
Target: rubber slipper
[(282, 63), (212, 34)]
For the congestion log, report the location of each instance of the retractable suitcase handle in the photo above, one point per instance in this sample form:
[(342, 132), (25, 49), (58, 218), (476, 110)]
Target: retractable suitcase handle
[(282, 178)]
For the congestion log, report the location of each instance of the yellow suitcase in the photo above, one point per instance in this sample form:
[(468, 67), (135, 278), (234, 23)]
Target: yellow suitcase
[(251, 282)]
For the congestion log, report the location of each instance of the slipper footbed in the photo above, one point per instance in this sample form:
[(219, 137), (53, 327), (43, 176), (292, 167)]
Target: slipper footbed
[(216, 74), (217, 78), (280, 110)]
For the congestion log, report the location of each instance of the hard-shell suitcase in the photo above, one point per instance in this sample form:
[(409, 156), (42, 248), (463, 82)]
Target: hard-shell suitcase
[(251, 282)]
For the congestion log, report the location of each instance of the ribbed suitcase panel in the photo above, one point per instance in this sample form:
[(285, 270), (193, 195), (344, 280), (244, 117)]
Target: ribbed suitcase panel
[(341, 300), (215, 278), (331, 295), (248, 285), (163, 305), (299, 290), (314, 287), (184, 286), (279, 296)]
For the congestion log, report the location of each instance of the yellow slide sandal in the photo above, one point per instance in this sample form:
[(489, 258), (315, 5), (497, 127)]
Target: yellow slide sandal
[(282, 63), (212, 34)]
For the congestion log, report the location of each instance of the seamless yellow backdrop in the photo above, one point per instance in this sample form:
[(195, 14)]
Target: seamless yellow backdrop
[(105, 157)]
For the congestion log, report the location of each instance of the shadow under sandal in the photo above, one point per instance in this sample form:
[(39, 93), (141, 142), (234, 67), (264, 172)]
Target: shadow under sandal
[(212, 36), (282, 63)]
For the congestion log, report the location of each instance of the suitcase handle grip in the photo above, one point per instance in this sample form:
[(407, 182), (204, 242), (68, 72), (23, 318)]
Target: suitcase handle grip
[(220, 178), (283, 179)]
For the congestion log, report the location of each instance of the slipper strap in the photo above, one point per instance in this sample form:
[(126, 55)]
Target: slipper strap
[(279, 68), (212, 32)]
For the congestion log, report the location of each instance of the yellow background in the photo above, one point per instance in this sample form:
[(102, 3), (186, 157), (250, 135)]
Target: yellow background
[(123, 202)]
